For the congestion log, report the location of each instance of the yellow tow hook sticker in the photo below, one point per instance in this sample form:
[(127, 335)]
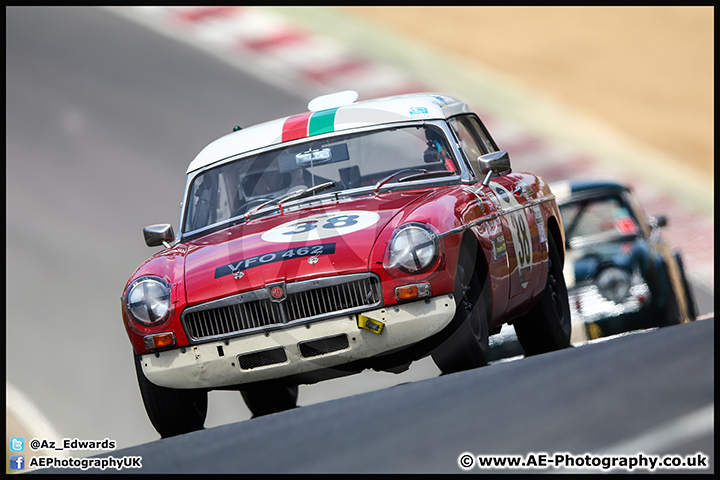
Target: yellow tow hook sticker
[(375, 326)]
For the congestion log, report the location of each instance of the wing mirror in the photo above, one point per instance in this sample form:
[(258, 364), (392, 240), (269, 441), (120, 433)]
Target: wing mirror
[(657, 221), (494, 164), (161, 234)]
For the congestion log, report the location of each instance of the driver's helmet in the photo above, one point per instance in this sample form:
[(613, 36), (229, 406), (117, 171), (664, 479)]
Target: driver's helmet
[(437, 151)]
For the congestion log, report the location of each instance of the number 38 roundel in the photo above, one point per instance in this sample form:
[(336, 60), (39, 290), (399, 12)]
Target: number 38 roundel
[(321, 226)]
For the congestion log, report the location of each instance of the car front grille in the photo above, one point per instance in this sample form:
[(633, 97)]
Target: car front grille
[(588, 304), (304, 302)]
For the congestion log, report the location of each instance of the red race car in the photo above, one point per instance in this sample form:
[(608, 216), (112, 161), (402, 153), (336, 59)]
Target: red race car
[(357, 235)]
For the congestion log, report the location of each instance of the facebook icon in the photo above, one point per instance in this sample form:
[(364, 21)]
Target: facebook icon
[(17, 462)]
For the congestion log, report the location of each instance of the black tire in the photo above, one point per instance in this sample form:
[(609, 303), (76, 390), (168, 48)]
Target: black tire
[(546, 327), (267, 397), (673, 314), (692, 311), (467, 347), (172, 411)]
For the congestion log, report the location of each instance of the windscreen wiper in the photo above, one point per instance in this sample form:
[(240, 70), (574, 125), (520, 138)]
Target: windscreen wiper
[(385, 180), (307, 192), (414, 174), (433, 174), (296, 195)]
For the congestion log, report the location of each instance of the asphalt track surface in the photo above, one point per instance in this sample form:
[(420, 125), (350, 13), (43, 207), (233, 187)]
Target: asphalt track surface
[(590, 399), (103, 117)]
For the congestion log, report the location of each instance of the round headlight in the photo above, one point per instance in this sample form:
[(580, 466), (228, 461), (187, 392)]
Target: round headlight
[(414, 248), (148, 300), (614, 284)]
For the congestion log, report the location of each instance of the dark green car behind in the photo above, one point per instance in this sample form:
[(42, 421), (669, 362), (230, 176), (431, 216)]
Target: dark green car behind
[(621, 274)]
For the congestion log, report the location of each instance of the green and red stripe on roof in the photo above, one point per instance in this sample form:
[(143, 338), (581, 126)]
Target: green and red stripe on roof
[(309, 124)]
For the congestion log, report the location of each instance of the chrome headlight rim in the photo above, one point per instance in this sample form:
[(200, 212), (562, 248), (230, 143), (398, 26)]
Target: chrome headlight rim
[(614, 283), (409, 252), (155, 306)]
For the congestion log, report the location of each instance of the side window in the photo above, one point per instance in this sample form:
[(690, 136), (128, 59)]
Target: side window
[(473, 137)]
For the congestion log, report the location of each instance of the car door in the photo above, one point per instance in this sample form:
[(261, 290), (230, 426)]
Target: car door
[(519, 223), (510, 195)]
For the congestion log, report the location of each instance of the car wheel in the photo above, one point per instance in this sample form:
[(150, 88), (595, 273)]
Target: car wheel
[(266, 398), (467, 347), (172, 411), (673, 313), (546, 327), (689, 297)]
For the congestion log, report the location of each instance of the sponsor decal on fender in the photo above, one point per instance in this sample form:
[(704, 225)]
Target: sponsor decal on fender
[(498, 246), (502, 193)]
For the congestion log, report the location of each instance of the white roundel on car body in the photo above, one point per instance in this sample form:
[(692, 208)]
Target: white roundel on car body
[(321, 226), (519, 229)]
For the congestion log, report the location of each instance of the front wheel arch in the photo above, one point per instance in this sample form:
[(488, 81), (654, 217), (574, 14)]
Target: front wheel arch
[(171, 411), (467, 346)]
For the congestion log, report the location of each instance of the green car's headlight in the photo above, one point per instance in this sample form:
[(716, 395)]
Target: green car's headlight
[(148, 300), (614, 284)]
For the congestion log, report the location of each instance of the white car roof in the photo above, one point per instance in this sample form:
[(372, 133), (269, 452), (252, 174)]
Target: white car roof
[(400, 108)]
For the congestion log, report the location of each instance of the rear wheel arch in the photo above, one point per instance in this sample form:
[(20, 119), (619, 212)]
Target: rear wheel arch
[(547, 325)]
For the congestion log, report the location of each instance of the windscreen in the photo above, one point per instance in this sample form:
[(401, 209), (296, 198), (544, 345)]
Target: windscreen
[(598, 219), (350, 161)]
